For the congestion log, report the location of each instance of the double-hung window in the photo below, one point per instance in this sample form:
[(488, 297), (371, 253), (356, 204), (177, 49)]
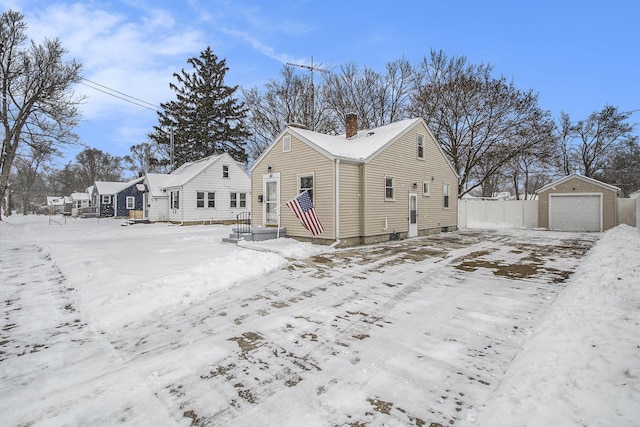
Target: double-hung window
[(211, 200), (200, 199), (238, 200), (225, 171), (175, 200), (388, 187), (131, 202), (445, 194), (420, 144), (243, 200), (106, 199), (305, 183)]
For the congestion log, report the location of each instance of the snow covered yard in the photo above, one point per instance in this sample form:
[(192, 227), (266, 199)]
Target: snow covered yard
[(162, 325)]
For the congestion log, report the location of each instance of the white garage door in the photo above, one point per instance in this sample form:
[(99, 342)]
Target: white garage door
[(575, 212)]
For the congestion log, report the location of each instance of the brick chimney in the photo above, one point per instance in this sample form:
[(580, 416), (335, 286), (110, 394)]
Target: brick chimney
[(351, 124)]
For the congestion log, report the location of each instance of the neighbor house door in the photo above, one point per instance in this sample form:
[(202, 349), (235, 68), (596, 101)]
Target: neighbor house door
[(413, 215), (271, 190)]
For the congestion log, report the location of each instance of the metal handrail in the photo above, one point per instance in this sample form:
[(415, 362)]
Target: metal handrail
[(243, 223)]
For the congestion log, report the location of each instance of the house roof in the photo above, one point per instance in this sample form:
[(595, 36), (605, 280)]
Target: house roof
[(362, 147), (157, 182), (190, 170), (108, 187), (80, 196), (580, 177)]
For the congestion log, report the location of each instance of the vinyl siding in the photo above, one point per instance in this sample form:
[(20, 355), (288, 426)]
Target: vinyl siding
[(400, 160), (350, 200), (302, 159), (576, 186), (211, 180)]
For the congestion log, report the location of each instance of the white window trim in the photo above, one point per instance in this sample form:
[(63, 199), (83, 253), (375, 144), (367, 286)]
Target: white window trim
[(207, 200), (418, 140), (447, 194), (313, 189), (105, 199), (286, 143), (131, 199), (227, 171), (393, 188), (204, 199), (428, 192)]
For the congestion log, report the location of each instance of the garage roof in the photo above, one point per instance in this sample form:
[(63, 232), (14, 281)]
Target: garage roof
[(580, 177)]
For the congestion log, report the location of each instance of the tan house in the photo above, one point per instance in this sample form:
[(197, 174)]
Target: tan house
[(577, 203), (367, 186)]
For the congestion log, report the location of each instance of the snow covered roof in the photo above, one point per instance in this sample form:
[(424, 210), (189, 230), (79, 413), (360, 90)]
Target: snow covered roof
[(362, 147), (190, 170), (107, 187), (80, 196), (156, 182), (580, 177)]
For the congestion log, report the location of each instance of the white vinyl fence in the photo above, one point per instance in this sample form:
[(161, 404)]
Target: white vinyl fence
[(524, 213), (516, 213), (626, 213)]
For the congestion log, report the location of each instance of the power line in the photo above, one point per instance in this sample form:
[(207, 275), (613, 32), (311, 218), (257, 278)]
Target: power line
[(129, 98)]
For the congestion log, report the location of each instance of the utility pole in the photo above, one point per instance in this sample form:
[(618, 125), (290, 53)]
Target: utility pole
[(311, 68)]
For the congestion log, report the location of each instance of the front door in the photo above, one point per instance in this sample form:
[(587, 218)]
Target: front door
[(271, 199), (413, 215)]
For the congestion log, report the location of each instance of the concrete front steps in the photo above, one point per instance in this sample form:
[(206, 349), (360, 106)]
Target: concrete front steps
[(256, 234)]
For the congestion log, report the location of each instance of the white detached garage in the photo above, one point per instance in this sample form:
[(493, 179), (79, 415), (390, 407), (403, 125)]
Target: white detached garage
[(577, 203)]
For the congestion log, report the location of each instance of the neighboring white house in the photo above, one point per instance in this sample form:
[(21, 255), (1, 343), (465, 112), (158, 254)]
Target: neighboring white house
[(211, 190), (78, 202)]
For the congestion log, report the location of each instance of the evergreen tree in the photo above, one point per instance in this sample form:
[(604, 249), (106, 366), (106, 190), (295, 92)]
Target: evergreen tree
[(205, 118)]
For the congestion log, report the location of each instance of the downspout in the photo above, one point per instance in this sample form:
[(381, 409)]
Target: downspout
[(337, 204), (181, 204)]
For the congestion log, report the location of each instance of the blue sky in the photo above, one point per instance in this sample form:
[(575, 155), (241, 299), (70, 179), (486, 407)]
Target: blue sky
[(577, 55)]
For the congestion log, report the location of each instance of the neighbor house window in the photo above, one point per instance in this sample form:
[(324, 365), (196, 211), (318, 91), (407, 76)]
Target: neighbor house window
[(305, 183), (106, 200), (388, 187), (211, 200), (225, 171), (238, 200), (286, 143), (421, 147), (131, 202), (425, 188), (175, 200), (445, 193), (200, 199)]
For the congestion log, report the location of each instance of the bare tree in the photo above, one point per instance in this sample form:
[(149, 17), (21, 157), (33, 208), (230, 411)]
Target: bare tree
[(598, 136), (376, 98), (95, 165), (144, 158), (28, 167), (481, 122), (37, 102)]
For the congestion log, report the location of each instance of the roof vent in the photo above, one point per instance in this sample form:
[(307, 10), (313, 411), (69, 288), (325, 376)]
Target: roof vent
[(370, 133)]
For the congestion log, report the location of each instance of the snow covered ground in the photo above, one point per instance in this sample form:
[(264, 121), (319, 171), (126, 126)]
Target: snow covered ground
[(165, 326)]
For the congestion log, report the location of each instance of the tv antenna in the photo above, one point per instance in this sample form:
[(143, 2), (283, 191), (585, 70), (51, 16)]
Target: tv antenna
[(312, 68)]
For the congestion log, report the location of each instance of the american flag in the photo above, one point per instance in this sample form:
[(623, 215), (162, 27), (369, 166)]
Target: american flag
[(302, 208)]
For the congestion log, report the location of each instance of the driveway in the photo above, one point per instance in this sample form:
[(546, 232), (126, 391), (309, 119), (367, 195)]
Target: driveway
[(413, 332)]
